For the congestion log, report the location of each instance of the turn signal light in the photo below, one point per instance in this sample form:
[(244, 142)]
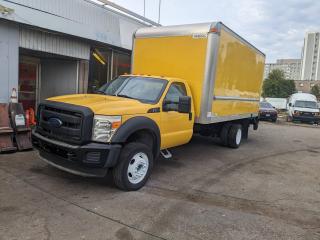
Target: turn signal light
[(116, 124)]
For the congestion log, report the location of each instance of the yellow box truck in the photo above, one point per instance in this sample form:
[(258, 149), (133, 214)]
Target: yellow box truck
[(188, 79)]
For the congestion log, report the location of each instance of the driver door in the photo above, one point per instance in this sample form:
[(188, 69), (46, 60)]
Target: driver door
[(176, 128)]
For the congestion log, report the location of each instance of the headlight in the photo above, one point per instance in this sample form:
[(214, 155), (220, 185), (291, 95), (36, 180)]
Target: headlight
[(104, 127)]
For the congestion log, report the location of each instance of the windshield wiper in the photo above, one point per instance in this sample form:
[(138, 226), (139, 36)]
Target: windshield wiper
[(99, 92), (124, 95)]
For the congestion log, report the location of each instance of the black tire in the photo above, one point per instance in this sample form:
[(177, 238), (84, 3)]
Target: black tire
[(224, 134), (232, 136), (120, 172), (245, 132), (274, 120), (256, 124)]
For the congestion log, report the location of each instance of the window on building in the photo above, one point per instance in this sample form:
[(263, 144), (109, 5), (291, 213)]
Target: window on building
[(99, 72), (105, 65), (121, 64), (28, 81)]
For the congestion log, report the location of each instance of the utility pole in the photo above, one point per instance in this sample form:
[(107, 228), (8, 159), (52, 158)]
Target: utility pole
[(144, 8), (159, 11)]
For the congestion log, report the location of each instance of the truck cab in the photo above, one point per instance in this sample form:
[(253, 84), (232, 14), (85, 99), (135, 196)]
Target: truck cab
[(303, 107)]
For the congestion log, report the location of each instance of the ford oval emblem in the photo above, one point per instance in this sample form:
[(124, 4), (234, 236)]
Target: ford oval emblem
[(55, 122)]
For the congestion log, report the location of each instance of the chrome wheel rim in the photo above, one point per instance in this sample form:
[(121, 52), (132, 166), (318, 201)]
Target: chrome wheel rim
[(138, 167), (238, 136)]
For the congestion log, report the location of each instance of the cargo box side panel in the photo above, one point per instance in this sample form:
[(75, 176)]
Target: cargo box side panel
[(238, 79), (175, 56)]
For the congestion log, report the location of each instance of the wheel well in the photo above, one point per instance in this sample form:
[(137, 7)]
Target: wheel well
[(245, 123), (215, 129), (146, 137)]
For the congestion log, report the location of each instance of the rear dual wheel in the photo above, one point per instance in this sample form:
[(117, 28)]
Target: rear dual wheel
[(231, 135)]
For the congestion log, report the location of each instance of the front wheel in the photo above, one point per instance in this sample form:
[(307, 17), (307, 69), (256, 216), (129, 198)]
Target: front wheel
[(134, 167)]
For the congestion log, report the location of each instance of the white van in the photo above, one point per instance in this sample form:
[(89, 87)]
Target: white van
[(303, 107)]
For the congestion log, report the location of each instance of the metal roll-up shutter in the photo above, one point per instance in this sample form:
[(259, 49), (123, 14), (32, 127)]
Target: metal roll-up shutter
[(53, 43)]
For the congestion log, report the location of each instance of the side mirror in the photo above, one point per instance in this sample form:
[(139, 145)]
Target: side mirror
[(184, 105), (290, 104)]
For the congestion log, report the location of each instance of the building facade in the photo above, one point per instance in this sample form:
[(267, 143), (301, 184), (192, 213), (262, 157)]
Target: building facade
[(291, 68), (51, 48), (305, 86), (311, 57)]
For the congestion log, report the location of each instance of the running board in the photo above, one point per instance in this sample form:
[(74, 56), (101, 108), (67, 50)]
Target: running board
[(166, 154)]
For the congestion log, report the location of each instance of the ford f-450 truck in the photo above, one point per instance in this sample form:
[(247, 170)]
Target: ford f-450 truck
[(189, 79)]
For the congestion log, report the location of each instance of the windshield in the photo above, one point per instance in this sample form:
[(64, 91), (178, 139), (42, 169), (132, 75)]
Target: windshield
[(265, 105), (110, 88), (144, 89), (306, 104)]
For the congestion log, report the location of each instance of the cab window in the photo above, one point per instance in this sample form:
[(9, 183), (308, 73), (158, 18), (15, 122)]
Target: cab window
[(171, 100)]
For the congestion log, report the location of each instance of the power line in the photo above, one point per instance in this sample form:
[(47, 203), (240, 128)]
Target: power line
[(159, 11)]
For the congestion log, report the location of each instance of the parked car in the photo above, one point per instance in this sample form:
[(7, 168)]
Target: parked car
[(303, 107), (277, 103), (267, 112)]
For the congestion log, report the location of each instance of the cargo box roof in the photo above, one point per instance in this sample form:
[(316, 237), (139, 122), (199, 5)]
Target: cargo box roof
[(188, 30), (175, 30)]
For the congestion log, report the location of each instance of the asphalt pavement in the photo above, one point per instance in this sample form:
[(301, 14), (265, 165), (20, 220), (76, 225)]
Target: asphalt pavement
[(269, 188)]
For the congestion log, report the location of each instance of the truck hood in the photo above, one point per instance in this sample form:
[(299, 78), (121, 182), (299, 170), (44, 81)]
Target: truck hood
[(104, 105)]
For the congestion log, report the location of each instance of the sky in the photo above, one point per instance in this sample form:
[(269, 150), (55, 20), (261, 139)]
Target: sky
[(276, 27)]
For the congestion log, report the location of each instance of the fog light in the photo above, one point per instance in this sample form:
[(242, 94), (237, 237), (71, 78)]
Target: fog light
[(92, 157)]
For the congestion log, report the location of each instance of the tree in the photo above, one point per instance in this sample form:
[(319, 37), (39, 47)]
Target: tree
[(277, 86), (315, 90)]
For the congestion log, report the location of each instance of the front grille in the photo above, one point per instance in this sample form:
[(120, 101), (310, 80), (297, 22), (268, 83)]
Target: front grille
[(75, 122)]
